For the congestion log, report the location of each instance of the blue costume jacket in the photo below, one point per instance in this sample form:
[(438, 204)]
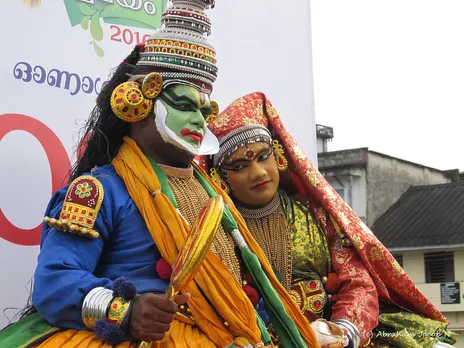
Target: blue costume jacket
[(69, 266)]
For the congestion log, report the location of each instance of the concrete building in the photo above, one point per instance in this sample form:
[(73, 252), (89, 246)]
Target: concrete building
[(324, 134), (371, 182), (424, 230), (414, 210)]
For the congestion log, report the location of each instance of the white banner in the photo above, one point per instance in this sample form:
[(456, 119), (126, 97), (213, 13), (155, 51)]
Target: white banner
[(55, 57)]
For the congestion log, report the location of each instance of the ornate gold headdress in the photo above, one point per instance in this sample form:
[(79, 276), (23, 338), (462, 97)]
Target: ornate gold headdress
[(179, 53)]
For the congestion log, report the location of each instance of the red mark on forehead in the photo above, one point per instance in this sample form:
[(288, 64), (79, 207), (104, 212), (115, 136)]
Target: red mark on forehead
[(202, 98), (249, 153)]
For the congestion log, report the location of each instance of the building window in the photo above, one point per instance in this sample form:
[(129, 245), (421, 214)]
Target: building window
[(341, 192), (399, 259), (439, 267)]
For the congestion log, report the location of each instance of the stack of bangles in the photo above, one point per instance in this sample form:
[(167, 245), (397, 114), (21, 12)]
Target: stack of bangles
[(95, 306), (353, 332), (107, 312)]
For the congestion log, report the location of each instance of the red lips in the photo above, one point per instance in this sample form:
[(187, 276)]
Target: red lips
[(197, 136), (261, 186)]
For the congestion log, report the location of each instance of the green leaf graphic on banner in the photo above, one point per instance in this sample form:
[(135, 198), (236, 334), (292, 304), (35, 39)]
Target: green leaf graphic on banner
[(86, 9), (98, 50), (85, 22), (100, 5), (145, 14), (116, 14), (95, 27)]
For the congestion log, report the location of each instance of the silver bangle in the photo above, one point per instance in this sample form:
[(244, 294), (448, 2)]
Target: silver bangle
[(353, 332), (95, 306)]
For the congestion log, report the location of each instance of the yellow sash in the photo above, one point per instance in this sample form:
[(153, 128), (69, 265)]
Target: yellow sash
[(169, 231)]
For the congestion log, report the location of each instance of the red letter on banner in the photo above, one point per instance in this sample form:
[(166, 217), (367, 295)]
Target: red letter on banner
[(59, 167)]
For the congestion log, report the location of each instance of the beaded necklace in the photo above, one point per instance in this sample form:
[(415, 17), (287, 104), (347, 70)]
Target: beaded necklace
[(285, 327), (270, 228), (184, 186), (228, 222)]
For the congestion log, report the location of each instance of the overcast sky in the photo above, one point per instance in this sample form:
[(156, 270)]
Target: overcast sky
[(389, 75)]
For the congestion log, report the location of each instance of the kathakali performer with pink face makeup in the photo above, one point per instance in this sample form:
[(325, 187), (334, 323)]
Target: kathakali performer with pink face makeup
[(325, 257)]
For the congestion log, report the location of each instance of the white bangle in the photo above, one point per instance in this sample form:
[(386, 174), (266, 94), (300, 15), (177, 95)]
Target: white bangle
[(353, 332), (95, 306)]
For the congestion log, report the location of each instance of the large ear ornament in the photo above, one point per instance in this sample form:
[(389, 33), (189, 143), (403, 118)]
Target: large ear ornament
[(132, 102), (282, 163), (152, 85), (214, 112)]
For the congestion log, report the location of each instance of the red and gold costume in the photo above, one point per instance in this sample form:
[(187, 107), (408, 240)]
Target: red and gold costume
[(327, 238)]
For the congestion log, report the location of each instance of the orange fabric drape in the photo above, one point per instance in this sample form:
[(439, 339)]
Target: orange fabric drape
[(169, 231), (79, 339)]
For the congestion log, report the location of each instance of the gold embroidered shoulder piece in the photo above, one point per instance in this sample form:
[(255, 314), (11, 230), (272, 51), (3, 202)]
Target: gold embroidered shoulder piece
[(80, 208)]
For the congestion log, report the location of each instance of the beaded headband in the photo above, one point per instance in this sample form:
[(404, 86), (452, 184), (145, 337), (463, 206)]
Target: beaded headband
[(179, 52), (240, 137)]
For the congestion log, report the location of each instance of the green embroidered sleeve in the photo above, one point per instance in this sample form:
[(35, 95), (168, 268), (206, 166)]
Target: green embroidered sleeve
[(310, 250)]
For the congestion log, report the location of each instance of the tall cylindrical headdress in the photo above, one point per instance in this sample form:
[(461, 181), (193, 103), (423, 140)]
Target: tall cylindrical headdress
[(180, 52)]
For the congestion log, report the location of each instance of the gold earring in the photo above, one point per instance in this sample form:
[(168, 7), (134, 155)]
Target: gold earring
[(132, 101), (152, 85), (218, 180), (214, 112), (282, 163)]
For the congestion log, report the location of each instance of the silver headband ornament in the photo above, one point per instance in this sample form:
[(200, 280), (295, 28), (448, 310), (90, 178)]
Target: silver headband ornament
[(240, 137)]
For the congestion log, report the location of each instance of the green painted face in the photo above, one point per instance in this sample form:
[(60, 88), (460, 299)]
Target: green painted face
[(186, 111)]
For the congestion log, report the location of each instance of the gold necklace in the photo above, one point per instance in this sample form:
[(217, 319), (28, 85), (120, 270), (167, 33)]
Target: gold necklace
[(270, 228), (191, 197)]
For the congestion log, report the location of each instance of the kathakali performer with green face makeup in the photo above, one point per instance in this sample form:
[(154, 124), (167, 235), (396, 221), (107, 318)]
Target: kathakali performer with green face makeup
[(181, 113), (111, 236)]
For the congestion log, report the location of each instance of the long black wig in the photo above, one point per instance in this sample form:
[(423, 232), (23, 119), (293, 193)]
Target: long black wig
[(102, 135)]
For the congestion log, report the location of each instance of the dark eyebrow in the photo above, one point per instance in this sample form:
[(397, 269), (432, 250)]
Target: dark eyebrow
[(264, 149), (178, 98)]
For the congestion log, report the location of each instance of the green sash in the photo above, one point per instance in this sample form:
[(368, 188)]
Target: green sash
[(27, 332)]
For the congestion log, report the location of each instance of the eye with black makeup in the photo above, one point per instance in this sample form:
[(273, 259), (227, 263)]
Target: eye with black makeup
[(235, 166), (238, 167), (265, 154), (240, 164), (264, 157), (183, 107), (181, 103)]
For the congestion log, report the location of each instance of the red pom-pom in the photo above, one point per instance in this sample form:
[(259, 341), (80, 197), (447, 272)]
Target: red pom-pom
[(164, 269), (252, 294), (332, 284)]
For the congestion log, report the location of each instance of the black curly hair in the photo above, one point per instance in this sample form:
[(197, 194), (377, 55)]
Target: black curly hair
[(103, 133)]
